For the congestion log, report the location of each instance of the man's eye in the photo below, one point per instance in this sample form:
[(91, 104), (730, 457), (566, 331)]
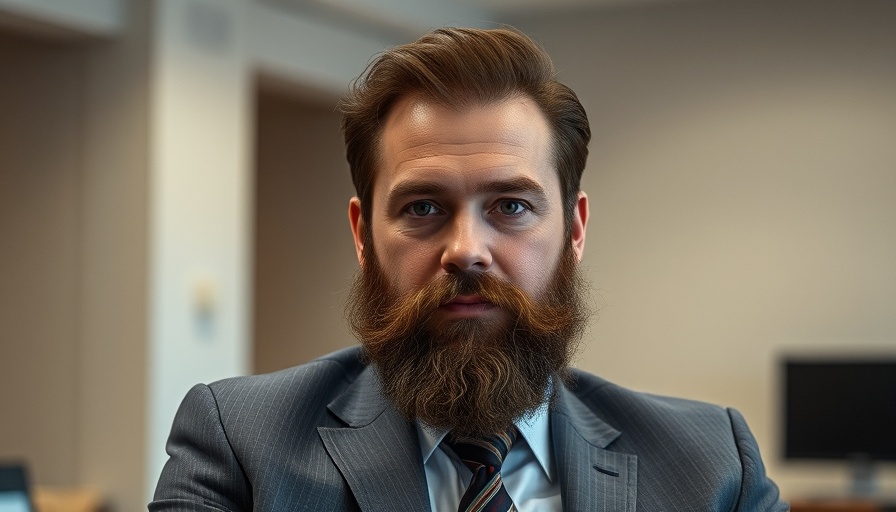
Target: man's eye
[(422, 209), (511, 207)]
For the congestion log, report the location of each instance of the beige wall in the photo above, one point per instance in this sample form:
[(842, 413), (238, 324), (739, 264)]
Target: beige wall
[(304, 257), (40, 88), (112, 402), (743, 194), (73, 146)]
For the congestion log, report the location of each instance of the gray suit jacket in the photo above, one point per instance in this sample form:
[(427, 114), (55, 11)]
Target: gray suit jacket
[(321, 437)]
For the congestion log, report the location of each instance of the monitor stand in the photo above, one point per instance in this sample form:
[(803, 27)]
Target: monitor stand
[(864, 476)]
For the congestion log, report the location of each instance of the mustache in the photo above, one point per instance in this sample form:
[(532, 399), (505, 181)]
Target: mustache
[(394, 318)]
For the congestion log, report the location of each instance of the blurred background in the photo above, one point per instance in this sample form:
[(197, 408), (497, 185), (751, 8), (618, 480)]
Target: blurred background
[(173, 198)]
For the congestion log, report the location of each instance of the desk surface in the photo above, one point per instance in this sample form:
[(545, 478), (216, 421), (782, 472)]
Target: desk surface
[(841, 505), (66, 499)]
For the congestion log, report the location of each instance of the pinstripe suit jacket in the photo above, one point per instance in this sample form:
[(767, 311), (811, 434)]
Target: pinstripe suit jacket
[(321, 437)]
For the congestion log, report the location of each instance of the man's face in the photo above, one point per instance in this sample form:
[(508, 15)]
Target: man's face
[(468, 303), (468, 190)]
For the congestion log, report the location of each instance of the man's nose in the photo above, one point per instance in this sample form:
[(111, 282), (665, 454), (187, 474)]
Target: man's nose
[(467, 244)]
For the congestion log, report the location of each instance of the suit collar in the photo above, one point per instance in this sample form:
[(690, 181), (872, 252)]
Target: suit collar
[(592, 476), (377, 451), (586, 424), (362, 402)]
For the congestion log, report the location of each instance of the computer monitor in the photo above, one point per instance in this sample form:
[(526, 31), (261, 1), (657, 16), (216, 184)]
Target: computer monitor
[(841, 408)]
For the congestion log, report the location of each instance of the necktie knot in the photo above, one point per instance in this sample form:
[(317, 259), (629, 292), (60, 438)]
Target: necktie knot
[(484, 457), (485, 451)]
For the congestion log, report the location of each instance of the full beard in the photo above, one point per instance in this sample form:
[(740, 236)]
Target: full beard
[(473, 377)]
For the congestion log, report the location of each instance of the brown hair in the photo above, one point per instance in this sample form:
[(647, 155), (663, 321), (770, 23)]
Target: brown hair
[(463, 67)]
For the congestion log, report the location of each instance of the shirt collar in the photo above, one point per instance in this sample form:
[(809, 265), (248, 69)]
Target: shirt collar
[(535, 429)]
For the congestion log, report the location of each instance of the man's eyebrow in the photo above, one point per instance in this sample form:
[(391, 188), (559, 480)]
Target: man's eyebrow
[(514, 185), (519, 184), (415, 188)]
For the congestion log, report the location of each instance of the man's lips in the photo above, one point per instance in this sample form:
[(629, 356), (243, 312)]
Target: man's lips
[(467, 305)]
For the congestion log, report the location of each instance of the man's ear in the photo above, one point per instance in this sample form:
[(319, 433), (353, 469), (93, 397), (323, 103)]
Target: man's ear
[(357, 224), (579, 223)]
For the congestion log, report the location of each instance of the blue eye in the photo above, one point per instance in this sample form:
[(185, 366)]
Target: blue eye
[(422, 209), (511, 207)]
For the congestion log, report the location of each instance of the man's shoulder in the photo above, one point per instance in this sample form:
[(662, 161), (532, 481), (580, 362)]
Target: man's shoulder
[(631, 410), (665, 433), (686, 451)]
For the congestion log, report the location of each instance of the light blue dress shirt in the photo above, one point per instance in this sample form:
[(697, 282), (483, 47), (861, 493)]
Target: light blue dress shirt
[(528, 472)]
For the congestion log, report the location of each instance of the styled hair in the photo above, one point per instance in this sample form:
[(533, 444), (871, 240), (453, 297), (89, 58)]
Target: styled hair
[(462, 68)]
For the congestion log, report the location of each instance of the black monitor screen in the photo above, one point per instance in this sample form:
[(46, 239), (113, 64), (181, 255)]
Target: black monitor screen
[(840, 409)]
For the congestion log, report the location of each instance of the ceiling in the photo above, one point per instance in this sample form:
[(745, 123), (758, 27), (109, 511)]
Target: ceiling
[(405, 18), (529, 6)]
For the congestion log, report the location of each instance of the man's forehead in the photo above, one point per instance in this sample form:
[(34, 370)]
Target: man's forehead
[(418, 128)]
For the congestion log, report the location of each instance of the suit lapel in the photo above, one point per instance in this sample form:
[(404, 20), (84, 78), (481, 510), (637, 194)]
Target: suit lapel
[(378, 452), (591, 477)]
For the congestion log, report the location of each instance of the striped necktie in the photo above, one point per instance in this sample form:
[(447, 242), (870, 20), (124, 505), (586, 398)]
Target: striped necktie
[(486, 492)]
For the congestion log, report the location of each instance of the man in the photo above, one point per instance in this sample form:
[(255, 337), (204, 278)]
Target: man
[(468, 222)]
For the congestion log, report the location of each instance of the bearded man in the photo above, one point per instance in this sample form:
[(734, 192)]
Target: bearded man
[(469, 224)]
